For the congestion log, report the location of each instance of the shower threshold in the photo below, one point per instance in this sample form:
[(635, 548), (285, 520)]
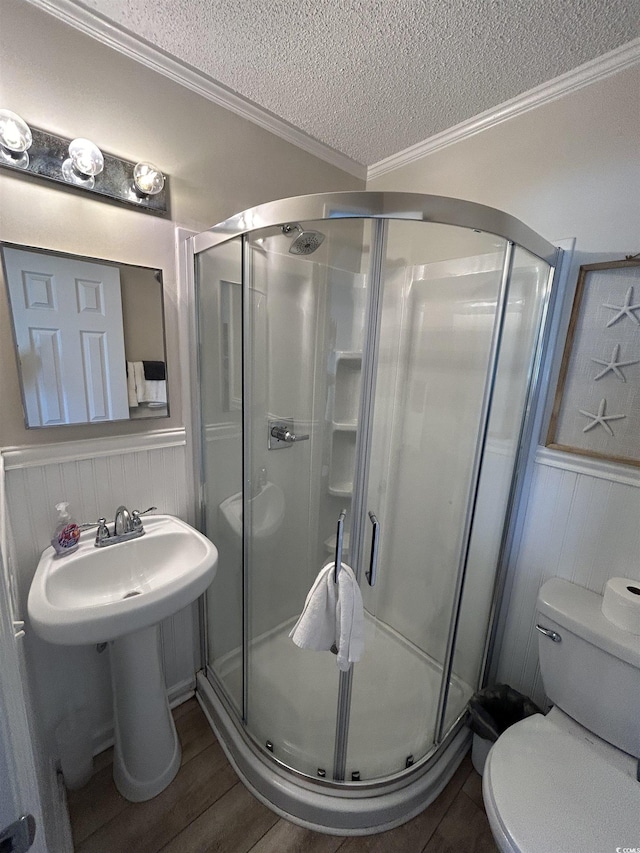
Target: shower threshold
[(387, 795)]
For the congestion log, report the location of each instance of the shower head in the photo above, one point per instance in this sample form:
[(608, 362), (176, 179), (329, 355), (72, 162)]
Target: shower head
[(306, 242)]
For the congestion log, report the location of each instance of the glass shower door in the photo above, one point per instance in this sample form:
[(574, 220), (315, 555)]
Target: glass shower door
[(219, 300), (440, 287), (304, 328)]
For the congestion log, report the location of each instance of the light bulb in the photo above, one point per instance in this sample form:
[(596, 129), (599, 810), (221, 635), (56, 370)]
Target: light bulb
[(85, 161), (147, 179), (15, 139)]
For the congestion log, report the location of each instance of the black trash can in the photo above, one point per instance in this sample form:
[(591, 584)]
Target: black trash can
[(491, 712)]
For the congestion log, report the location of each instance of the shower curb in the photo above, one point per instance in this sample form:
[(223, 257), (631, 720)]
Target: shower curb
[(352, 811)]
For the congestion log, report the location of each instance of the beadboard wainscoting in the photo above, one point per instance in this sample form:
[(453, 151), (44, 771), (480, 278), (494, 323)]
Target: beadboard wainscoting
[(95, 476), (582, 523)]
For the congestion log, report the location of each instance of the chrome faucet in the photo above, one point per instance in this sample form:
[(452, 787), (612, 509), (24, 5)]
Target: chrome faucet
[(122, 522), (126, 525)]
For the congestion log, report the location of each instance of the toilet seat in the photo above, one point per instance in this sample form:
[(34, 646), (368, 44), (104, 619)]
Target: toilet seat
[(551, 786)]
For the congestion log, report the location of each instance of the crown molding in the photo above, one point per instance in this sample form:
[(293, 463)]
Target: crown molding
[(118, 38), (93, 24), (597, 69)]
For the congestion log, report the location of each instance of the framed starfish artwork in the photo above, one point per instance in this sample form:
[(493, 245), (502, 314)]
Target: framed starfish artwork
[(596, 411)]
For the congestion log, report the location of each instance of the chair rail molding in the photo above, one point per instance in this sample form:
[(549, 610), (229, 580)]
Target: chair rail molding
[(33, 456), (613, 471)]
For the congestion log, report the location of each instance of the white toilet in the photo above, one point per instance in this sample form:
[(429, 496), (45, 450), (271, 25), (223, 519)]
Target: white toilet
[(568, 782)]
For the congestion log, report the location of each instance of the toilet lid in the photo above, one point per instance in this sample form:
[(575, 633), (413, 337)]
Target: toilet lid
[(550, 785)]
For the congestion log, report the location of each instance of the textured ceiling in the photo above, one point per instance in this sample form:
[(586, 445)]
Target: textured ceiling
[(371, 77)]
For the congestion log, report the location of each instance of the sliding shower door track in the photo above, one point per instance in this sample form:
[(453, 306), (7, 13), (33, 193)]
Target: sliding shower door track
[(338, 808)]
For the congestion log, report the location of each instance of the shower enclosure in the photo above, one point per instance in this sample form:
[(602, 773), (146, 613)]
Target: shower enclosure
[(367, 366)]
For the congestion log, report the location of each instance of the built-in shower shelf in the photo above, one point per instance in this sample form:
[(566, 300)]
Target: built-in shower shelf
[(347, 390), (343, 457), (341, 490), (344, 423)]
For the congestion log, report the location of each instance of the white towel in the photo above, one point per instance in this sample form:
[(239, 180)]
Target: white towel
[(131, 386), (148, 390), (333, 617)]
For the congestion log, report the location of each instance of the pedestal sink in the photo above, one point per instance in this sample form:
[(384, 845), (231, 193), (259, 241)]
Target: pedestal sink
[(119, 595)]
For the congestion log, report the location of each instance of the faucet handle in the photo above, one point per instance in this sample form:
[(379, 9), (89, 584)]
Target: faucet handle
[(137, 512), (102, 532), (101, 524), (135, 516)]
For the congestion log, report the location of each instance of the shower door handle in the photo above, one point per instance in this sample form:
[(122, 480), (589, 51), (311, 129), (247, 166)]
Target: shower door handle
[(375, 539), (339, 539)]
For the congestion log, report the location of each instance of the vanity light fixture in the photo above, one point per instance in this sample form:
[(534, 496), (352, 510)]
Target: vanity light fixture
[(79, 165), (15, 139)]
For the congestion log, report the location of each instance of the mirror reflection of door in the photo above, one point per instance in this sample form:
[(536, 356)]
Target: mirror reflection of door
[(69, 333)]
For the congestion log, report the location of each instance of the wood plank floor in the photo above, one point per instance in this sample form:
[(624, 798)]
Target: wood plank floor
[(206, 808)]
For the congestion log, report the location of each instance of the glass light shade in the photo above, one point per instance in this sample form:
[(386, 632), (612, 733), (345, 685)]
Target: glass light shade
[(85, 161), (14, 132), (148, 179), (15, 138), (86, 157)]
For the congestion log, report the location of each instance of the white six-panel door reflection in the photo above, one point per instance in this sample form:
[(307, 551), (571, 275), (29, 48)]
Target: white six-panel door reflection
[(69, 333)]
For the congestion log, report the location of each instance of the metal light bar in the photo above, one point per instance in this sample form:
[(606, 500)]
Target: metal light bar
[(115, 182)]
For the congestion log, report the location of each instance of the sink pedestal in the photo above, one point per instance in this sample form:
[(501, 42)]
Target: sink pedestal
[(147, 751)]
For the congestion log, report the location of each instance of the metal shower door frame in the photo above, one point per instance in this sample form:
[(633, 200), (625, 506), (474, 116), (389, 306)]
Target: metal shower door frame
[(472, 497), (361, 478)]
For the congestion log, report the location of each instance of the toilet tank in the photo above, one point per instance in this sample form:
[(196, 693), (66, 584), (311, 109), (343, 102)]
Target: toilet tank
[(592, 670)]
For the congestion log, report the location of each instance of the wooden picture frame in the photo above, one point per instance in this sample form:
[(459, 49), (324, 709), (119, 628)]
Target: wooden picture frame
[(596, 410)]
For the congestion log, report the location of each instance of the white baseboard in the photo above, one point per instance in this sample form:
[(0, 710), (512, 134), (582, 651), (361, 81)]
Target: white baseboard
[(59, 826)]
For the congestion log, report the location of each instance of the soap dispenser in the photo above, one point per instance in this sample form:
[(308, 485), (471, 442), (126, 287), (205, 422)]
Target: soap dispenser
[(67, 533)]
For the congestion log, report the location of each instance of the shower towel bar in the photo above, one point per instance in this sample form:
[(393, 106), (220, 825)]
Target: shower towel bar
[(339, 537)]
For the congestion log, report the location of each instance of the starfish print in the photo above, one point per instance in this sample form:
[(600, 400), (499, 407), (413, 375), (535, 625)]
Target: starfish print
[(600, 418), (624, 310), (613, 364)]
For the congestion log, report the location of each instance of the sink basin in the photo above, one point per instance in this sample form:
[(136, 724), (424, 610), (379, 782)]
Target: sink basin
[(267, 511), (100, 594)]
